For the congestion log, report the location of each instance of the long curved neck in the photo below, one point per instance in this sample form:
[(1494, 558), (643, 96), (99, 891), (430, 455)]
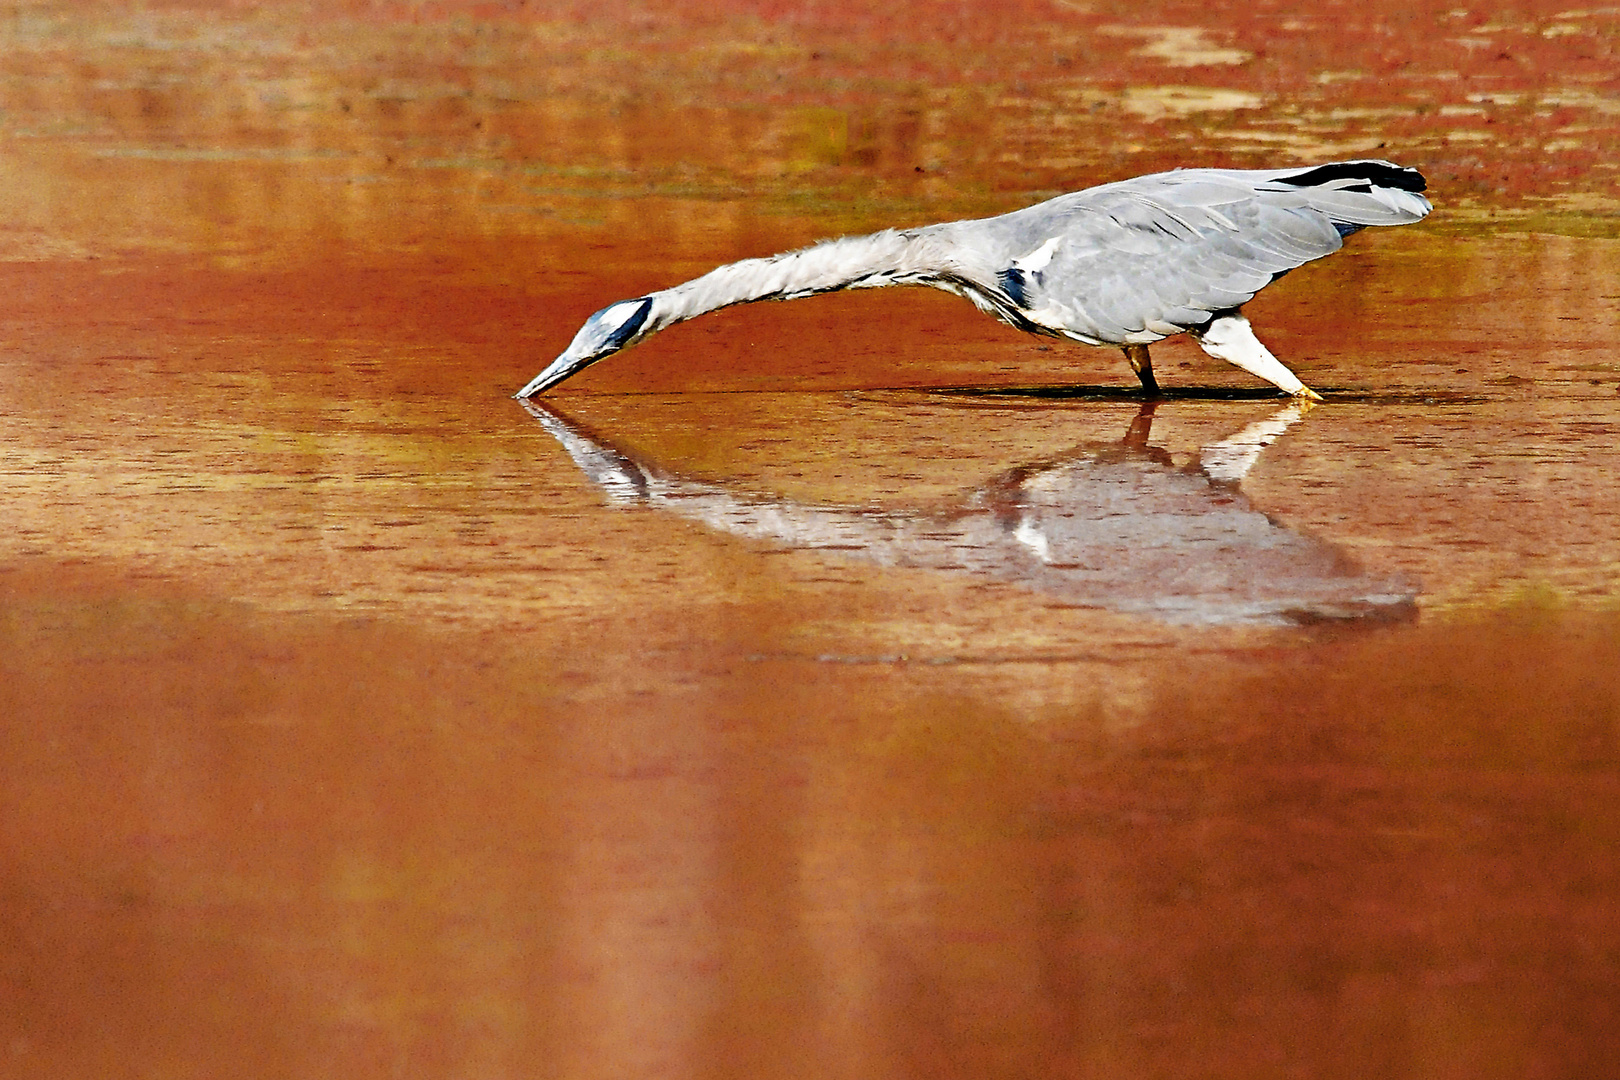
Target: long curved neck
[(891, 257), (913, 256)]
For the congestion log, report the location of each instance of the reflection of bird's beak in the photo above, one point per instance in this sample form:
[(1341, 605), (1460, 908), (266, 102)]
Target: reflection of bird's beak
[(536, 409), (621, 477)]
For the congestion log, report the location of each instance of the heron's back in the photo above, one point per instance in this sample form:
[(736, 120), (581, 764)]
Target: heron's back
[(1141, 259)]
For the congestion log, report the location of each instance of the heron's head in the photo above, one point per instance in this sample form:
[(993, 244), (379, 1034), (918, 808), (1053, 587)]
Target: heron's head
[(615, 327)]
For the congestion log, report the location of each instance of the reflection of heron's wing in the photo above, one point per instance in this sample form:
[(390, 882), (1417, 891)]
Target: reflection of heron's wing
[(1108, 526)]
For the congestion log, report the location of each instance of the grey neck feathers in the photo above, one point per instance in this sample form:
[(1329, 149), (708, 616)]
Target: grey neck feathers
[(890, 257)]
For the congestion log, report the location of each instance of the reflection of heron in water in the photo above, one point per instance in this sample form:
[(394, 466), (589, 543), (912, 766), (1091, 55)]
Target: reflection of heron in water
[(1126, 264), (1110, 525)]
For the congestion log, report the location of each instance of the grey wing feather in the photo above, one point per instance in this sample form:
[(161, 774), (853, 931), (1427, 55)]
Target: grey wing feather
[(1149, 257)]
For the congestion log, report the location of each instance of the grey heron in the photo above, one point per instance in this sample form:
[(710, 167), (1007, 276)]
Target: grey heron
[(1125, 264)]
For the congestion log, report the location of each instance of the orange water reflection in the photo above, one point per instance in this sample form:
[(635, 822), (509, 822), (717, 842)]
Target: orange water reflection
[(298, 847), (349, 731)]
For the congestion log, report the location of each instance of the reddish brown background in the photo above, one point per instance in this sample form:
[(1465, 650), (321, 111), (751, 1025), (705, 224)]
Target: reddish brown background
[(348, 732)]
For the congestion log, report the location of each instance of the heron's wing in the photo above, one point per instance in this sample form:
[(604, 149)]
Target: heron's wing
[(1150, 257)]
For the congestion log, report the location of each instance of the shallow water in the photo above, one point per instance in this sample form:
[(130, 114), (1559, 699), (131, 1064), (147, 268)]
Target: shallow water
[(848, 687)]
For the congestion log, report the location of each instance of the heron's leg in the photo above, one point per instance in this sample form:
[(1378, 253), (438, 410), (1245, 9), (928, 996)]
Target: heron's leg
[(1229, 337), (1141, 363)]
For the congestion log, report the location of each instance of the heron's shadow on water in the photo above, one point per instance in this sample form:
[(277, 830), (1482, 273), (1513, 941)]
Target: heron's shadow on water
[(1070, 392), (1112, 525)]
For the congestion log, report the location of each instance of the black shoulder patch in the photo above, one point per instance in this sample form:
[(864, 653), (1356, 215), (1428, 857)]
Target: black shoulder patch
[(1371, 172), (1015, 285), (620, 337)]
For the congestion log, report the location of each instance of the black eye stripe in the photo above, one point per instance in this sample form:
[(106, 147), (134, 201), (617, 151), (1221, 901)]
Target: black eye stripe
[(623, 334)]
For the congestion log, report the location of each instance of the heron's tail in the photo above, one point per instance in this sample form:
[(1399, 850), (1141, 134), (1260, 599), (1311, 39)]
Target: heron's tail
[(1355, 194)]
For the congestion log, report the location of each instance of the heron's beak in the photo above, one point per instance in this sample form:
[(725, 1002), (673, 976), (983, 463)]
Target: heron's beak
[(555, 372), (1305, 393)]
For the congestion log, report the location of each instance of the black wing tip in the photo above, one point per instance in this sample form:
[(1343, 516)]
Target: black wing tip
[(1378, 173)]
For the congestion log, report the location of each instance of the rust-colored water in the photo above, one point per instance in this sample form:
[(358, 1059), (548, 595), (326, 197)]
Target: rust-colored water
[(777, 700)]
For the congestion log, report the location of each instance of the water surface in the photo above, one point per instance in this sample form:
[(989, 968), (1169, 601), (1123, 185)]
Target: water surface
[(850, 687)]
